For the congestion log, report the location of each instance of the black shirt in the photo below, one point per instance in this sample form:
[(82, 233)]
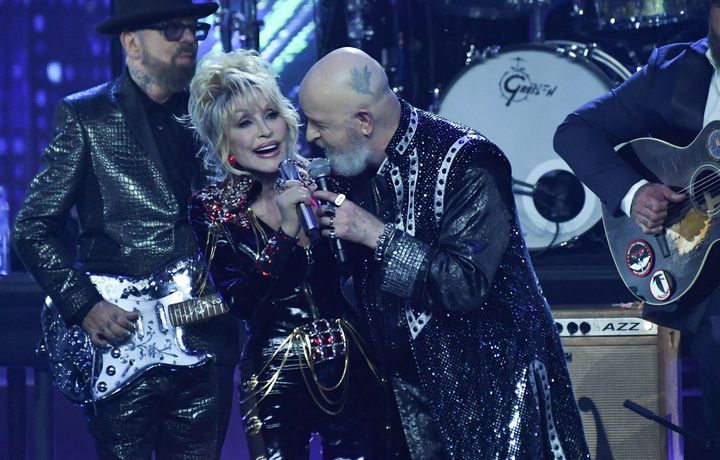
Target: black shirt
[(174, 142)]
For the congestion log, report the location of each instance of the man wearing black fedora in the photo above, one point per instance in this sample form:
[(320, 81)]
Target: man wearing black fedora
[(124, 162)]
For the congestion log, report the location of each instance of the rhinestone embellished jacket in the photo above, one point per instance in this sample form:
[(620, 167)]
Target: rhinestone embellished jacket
[(456, 290)]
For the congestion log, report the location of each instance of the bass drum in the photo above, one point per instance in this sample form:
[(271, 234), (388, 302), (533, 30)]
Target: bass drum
[(517, 97)]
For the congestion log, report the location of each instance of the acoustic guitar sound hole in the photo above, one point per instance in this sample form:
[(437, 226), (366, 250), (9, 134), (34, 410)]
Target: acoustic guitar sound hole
[(705, 189)]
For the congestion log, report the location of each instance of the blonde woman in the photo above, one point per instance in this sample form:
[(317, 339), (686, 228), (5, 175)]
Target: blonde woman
[(298, 373)]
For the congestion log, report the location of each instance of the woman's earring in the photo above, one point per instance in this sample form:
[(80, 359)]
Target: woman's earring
[(231, 160)]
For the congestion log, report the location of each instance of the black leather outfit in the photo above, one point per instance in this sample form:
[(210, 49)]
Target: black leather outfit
[(104, 163), (277, 286)]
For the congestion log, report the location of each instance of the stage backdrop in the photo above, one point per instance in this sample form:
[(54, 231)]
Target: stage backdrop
[(49, 49)]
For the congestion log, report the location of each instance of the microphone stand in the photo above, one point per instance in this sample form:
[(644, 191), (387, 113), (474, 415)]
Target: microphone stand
[(243, 22), (250, 26), (224, 20), (357, 32), (537, 21), (648, 414)]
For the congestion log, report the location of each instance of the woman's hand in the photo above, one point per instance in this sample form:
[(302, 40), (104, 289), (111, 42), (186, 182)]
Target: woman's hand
[(293, 193)]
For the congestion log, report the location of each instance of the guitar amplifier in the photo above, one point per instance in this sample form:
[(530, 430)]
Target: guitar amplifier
[(614, 355)]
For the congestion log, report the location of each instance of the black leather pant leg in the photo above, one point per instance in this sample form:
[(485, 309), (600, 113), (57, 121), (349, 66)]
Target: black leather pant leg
[(125, 426), (289, 417), (191, 428), (287, 420), (226, 388), (356, 432), (175, 412)]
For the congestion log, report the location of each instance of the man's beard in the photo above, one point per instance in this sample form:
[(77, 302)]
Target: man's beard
[(353, 159), (714, 45), (170, 75)]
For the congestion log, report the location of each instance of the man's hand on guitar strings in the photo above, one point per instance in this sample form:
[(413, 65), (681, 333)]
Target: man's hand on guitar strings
[(650, 206), (108, 323)]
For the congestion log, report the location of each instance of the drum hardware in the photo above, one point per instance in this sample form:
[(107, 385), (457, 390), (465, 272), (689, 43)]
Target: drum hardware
[(537, 22), (517, 96), (473, 56), (242, 22), (434, 100), (558, 195), (618, 15), (488, 9), (391, 63), (356, 31), (590, 53)]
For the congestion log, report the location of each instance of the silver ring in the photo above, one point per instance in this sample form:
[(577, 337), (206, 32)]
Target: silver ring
[(280, 186), (340, 199), (330, 210), (331, 233), (332, 225)]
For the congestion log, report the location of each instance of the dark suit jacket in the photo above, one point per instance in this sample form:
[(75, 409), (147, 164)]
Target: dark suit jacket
[(666, 100), (104, 162)]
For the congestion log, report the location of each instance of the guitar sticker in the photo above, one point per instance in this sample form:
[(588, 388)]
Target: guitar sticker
[(661, 285), (713, 144), (639, 258)]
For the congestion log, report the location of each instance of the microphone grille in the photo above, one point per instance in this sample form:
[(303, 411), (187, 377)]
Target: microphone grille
[(319, 167)]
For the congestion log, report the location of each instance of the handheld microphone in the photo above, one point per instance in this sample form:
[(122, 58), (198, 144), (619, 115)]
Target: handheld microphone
[(288, 171), (319, 170)]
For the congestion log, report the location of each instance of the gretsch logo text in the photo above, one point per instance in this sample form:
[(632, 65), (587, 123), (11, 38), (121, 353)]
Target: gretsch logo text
[(516, 85)]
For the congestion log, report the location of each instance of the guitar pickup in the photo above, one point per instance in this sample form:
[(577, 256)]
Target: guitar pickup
[(162, 318), (139, 326)]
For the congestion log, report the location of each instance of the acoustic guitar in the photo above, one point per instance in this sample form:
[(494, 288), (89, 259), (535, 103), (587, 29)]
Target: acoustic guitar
[(660, 269)]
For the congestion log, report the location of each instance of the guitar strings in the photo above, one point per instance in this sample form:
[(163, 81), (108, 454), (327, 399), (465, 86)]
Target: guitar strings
[(711, 181), (152, 307)]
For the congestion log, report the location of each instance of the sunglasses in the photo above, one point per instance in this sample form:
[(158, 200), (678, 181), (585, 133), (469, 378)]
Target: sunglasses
[(174, 30)]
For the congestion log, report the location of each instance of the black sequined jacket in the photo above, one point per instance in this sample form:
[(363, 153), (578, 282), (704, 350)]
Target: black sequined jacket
[(456, 291), (104, 163), (263, 275)]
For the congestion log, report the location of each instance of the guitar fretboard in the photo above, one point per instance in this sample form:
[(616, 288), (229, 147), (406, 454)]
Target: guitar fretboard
[(192, 310)]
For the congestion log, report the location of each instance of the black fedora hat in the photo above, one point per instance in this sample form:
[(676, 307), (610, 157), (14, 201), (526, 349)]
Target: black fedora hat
[(130, 14)]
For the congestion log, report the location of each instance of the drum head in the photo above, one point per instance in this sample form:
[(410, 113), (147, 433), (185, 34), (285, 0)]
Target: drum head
[(517, 99)]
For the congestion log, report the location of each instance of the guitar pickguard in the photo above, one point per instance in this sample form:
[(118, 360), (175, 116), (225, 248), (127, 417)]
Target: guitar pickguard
[(690, 233)]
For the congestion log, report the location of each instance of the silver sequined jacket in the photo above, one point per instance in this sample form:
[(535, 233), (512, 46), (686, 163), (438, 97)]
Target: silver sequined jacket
[(455, 289), (104, 162)]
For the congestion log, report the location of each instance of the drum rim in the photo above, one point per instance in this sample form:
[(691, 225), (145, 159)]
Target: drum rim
[(548, 46)]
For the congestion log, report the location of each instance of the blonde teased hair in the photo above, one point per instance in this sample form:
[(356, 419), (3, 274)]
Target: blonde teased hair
[(223, 82)]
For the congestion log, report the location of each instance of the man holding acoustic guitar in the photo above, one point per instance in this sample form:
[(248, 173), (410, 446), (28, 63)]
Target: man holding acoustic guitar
[(660, 194)]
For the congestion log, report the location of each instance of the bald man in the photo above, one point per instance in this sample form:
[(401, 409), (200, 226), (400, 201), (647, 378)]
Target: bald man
[(460, 329)]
